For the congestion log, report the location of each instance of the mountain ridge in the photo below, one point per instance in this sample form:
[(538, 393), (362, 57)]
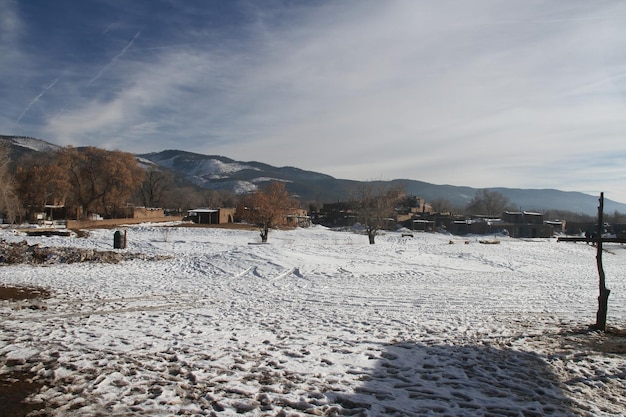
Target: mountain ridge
[(315, 186), (223, 173)]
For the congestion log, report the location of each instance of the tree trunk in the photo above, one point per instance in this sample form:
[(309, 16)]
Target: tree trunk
[(603, 307), (264, 232), (603, 298), (371, 234)]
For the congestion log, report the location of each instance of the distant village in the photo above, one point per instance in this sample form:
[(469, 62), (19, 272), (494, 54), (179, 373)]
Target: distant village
[(418, 215), (413, 215), (91, 187)]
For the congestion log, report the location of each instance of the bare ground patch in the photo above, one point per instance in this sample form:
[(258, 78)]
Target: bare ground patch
[(22, 293), (17, 385), (15, 388), (23, 253)]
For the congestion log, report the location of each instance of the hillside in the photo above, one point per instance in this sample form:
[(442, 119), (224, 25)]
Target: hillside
[(222, 173), (21, 145), (218, 172)]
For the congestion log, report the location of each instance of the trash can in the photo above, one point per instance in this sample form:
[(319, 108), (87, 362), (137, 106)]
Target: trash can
[(119, 240)]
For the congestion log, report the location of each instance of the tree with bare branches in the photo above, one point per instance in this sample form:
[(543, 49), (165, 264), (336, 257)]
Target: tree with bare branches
[(9, 203), (155, 187), (374, 204), (442, 205), (267, 208), (487, 202)]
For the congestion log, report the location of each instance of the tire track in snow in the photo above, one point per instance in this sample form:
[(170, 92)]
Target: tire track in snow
[(272, 285), (279, 289)]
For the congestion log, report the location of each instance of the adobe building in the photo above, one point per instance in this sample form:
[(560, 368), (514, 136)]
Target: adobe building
[(212, 216), (526, 224)]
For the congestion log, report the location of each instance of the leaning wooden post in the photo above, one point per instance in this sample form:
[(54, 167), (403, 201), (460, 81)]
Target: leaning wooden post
[(603, 298)]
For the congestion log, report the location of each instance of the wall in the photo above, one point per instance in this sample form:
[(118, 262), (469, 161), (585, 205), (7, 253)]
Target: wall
[(227, 215), (92, 224), (147, 213)]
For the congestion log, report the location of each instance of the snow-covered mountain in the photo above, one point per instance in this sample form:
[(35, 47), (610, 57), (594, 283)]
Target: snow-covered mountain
[(34, 144), (20, 145), (221, 173)]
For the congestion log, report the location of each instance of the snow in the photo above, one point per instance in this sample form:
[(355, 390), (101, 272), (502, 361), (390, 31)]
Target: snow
[(215, 166), (243, 187), (207, 167), (319, 322), (268, 179), (34, 144)]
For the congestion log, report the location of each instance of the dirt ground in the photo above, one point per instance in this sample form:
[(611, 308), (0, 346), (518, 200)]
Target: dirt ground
[(22, 293), (16, 386)]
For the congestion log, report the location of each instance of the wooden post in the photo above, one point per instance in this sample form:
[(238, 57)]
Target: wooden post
[(603, 297)]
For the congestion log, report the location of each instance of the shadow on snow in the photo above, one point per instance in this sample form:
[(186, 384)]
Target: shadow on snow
[(413, 379)]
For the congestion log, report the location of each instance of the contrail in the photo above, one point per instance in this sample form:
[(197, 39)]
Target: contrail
[(36, 99), (109, 28), (114, 60)]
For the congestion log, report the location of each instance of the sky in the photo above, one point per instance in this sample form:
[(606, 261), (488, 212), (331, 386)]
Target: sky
[(482, 93)]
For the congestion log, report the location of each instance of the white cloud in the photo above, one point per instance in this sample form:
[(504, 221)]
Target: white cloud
[(482, 94), (10, 26)]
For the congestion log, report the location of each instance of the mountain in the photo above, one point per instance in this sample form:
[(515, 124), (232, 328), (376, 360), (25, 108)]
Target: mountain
[(22, 145), (222, 173), (524, 199), (218, 172)]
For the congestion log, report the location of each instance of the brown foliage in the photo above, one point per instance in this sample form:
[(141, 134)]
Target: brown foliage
[(90, 179), (42, 179), (9, 203), (101, 181), (267, 208), (87, 180)]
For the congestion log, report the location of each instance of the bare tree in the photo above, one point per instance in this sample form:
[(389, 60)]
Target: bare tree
[(182, 198), (441, 205), (570, 216), (374, 204), (487, 202), (155, 187), (267, 208), (9, 203), (218, 198), (615, 218)]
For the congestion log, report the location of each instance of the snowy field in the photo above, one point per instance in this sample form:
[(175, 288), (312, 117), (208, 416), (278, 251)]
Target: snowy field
[(319, 322)]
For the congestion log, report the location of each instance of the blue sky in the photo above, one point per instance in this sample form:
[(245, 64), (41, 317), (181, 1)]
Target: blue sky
[(526, 94)]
